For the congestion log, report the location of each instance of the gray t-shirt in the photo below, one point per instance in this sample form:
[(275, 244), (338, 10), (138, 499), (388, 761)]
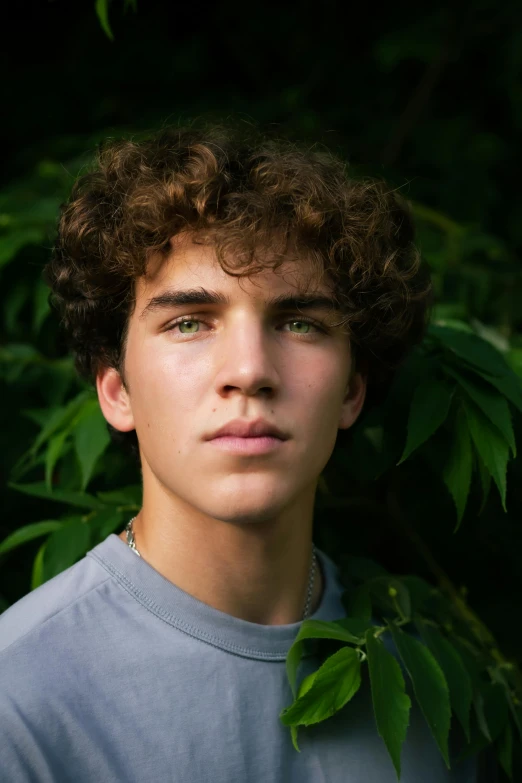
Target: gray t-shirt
[(109, 672)]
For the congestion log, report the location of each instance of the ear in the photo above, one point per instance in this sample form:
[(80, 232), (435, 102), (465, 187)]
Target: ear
[(353, 401), (114, 399)]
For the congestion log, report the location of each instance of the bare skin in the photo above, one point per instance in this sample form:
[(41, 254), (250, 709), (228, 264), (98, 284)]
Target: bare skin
[(229, 519)]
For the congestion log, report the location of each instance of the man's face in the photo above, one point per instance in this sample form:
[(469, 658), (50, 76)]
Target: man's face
[(206, 350)]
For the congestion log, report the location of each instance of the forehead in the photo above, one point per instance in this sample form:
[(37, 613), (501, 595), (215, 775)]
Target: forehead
[(191, 266)]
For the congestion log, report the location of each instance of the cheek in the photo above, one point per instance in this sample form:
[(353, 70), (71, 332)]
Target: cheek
[(165, 387), (326, 385)]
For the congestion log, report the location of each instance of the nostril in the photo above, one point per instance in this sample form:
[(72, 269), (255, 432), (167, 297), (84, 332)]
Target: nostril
[(266, 391)]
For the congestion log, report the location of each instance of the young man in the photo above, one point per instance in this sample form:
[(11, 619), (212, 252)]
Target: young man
[(234, 300)]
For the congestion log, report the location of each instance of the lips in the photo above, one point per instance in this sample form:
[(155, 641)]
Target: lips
[(241, 428), (243, 439)]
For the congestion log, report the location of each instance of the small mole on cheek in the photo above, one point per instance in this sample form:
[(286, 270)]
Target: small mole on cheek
[(213, 410)]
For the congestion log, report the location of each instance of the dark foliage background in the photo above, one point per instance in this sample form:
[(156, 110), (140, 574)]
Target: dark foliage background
[(429, 96)]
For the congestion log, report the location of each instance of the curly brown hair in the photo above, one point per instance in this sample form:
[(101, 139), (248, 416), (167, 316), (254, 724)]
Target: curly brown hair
[(241, 191)]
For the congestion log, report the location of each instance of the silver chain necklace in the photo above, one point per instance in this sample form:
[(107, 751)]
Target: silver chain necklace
[(311, 577)]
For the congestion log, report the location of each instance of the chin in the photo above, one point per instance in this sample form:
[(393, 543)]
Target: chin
[(244, 511), (248, 505)]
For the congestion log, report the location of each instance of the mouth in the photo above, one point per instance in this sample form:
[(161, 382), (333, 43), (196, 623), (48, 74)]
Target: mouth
[(248, 437)]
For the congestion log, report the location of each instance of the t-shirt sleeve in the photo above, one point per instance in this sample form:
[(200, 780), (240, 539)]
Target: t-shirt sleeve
[(23, 755)]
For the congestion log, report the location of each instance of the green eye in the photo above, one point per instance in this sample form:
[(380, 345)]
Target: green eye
[(300, 327), (189, 327)]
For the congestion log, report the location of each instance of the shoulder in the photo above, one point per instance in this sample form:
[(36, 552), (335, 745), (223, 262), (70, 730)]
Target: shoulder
[(42, 637), (53, 604), (45, 638)]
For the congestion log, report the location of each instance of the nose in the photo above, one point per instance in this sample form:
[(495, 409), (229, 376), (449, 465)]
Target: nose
[(246, 362)]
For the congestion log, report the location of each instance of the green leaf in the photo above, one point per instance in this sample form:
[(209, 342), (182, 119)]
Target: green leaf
[(15, 358), (491, 708), (307, 684), (106, 522), (493, 404), (125, 496), (505, 750), (457, 677), (469, 659), (459, 466), (37, 571), (471, 349), (331, 687), (514, 358), (53, 454), (40, 490), (293, 734), (102, 12), (303, 688), (515, 710), (39, 416), (391, 703), (354, 625), (429, 409), (511, 387), (419, 590), (91, 438), (491, 335), (346, 630), (59, 419), (491, 446), (64, 547), (429, 685), (28, 533), (478, 703)]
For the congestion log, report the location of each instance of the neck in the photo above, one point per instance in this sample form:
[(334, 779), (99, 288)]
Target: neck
[(256, 571)]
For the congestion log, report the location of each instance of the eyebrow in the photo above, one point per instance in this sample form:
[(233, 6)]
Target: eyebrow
[(302, 301), (169, 299), (172, 298)]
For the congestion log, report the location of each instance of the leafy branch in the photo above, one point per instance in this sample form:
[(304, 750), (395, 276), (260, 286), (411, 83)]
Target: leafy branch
[(448, 673)]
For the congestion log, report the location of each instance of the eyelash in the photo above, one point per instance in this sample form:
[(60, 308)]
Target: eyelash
[(318, 325)]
